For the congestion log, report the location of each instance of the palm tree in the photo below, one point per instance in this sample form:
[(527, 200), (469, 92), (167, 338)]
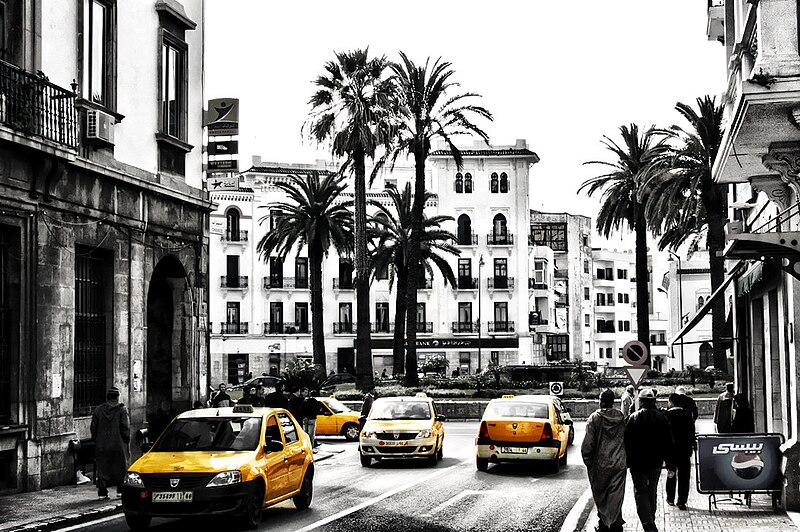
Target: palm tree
[(685, 202), (352, 110), (390, 231), (312, 217), (427, 112), (623, 204)]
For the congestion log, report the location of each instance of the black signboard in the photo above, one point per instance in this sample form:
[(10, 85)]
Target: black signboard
[(739, 463), (451, 343), (223, 147), (223, 165)]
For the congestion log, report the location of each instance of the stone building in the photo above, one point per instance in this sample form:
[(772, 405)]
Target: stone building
[(103, 245)]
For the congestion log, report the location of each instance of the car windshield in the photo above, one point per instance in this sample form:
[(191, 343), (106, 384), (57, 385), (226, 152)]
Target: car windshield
[(336, 406), (501, 409), (400, 410), (210, 434)]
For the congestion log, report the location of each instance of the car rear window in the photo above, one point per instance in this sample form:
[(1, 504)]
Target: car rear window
[(400, 410), (210, 434), (503, 409)]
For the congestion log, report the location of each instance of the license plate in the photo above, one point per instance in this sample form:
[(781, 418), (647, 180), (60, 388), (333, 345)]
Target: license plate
[(396, 443), (172, 496), (514, 450)]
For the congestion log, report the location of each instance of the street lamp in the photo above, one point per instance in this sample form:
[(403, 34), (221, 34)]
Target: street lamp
[(480, 289), (680, 297)]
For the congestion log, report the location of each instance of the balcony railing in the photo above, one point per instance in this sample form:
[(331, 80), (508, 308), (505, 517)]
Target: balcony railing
[(272, 327), (468, 240), (467, 283), (500, 239), (233, 328), (533, 285), (500, 283), (606, 329), (286, 283), (464, 327), (501, 326), (607, 303), (233, 281), (542, 323), (424, 327), (382, 327), (343, 327), (31, 104), (235, 236), (343, 284)]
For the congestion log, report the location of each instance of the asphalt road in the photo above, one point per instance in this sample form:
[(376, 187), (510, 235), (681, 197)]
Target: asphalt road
[(411, 496)]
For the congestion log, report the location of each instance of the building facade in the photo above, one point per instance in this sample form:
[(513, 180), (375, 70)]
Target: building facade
[(614, 287), (103, 245)]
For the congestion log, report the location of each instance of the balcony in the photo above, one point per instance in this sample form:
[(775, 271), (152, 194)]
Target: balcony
[(500, 283), (382, 327), (424, 327), (771, 238), (234, 237), (467, 240), (345, 284), (715, 25), (31, 105), (464, 327), (500, 239), (285, 283), (467, 283), (233, 328), (501, 327), (343, 327), (271, 327), (234, 282)]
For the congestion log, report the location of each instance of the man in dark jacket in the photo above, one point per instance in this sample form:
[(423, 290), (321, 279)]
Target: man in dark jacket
[(309, 410), (686, 402), (221, 399), (366, 406), (648, 443), (679, 464), (111, 434), (723, 413), (276, 399), (296, 404)]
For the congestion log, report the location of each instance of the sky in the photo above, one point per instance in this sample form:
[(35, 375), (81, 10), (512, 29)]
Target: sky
[(560, 74)]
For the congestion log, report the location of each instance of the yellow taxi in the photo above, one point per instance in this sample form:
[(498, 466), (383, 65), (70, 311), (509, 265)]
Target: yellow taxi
[(215, 461), (402, 427), (523, 428), (336, 419)]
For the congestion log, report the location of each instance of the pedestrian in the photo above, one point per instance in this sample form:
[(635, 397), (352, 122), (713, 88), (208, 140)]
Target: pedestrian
[(221, 399), (723, 414), (686, 402), (296, 404), (679, 465), (743, 420), (259, 399), (247, 396), (310, 409), (383, 374), (276, 399), (366, 406), (603, 452), (648, 443), (111, 433), (627, 402)]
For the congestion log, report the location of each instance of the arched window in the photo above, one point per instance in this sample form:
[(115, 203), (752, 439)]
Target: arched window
[(468, 183), (700, 302), (459, 183), (499, 230), (232, 225), (503, 183), (464, 230), (706, 355), (494, 187)]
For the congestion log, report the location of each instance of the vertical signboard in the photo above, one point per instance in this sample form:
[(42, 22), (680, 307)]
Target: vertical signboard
[(222, 117), (739, 463)]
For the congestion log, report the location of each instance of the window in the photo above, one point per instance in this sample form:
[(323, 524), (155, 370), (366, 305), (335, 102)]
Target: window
[(586, 267), (501, 272), (464, 362), (301, 272), (276, 272), (609, 274), (382, 317), (601, 273), (465, 274), (232, 270), (587, 320), (232, 225), (609, 351), (494, 185), (599, 352), (586, 295), (99, 36), (539, 272), (503, 183), (499, 230), (622, 274), (700, 302), (274, 216), (501, 316), (3, 31), (459, 183), (289, 428), (550, 234), (421, 317), (276, 317), (559, 347), (173, 87), (601, 299), (10, 275), (345, 318), (232, 312), (468, 183), (706, 355), (301, 317), (464, 231), (465, 316), (345, 274), (587, 349)]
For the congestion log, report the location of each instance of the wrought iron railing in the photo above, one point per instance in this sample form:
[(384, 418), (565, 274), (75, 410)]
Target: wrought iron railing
[(500, 239), (234, 281), (501, 326), (501, 283), (343, 327), (289, 283), (468, 240), (235, 236), (780, 222), (276, 327), (233, 328), (343, 284), (29, 103), (464, 327), (467, 283)]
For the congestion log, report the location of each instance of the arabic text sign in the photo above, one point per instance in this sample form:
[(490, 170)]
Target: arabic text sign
[(222, 117), (223, 183), (739, 462)]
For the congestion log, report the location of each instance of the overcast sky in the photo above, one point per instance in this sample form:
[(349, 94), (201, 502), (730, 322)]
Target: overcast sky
[(558, 73)]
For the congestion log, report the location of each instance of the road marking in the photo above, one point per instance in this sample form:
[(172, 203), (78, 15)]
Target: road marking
[(374, 500), (534, 479), (91, 523), (571, 522), (453, 500)]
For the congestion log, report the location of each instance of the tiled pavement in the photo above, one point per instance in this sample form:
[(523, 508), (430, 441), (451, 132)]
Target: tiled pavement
[(759, 517)]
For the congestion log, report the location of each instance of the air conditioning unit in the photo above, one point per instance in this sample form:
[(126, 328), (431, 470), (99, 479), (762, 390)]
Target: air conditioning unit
[(99, 126)]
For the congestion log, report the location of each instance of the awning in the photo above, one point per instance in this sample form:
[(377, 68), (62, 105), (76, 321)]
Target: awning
[(712, 299), (749, 279)]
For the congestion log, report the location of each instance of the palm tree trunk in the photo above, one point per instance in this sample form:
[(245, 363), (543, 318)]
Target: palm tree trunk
[(414, 267), (317, 321), (364, 375), (400, 319), (642, 292), (716, 263)]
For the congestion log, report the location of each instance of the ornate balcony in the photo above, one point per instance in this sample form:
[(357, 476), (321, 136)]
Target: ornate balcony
[(285, 283), (463, 327), (235, 237), (501, 327), (234, 282), (343, 327), (343, 284), (467, 283), (467, 240), (271, 327), (233, 328), (500, 283), (500, 239)]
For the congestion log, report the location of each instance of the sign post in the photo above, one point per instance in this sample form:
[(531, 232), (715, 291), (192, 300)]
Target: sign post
[(635, 353), (556, 388)]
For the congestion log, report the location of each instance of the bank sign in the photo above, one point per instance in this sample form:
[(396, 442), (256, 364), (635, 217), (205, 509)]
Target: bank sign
[(739, 462), (451, 343)]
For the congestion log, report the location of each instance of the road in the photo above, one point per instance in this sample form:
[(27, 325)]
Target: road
[(391, 495)]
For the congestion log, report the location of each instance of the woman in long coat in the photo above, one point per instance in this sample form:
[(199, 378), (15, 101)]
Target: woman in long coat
[(111, 433)]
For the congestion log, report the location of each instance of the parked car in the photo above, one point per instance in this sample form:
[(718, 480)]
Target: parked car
[(337, 379)]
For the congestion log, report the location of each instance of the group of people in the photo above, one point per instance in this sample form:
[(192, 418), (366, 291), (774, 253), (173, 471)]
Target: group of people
[(642, 440)]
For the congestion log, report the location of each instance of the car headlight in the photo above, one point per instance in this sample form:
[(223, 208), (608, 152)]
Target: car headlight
[(426, 433), (368, 434), (134, 480), (226, 478)]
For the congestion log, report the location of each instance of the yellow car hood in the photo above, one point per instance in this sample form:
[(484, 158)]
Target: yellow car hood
[(402, 425), (193, 462)]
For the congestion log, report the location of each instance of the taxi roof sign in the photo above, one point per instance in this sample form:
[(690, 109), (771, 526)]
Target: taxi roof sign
[(243, 409), (508, 396), (421, 394)]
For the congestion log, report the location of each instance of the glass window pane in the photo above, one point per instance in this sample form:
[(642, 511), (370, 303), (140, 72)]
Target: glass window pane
[(98, 58), (172, 91)]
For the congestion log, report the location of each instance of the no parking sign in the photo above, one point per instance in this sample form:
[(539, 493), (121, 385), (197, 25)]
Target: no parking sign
[(556, 388)]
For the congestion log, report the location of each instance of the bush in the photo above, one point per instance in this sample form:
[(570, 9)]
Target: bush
[(300, 373)]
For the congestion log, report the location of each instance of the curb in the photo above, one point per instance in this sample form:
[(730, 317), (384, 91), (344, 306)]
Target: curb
[(63, 521), (580, 513)]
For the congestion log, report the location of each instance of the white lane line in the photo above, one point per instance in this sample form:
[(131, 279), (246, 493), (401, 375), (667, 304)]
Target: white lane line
[(374, 500), (91, 523), (453, 500), (534, 479), (574, 515)]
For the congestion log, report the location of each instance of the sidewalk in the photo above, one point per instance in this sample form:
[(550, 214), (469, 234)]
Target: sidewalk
[(63, 506), (726, 517)]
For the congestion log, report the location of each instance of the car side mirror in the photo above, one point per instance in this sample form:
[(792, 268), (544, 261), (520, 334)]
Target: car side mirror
[(441, 417), (272, 446), (567, 422)]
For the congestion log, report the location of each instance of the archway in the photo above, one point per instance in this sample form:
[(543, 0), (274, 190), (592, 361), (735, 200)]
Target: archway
[(464, 230), (706, 355)]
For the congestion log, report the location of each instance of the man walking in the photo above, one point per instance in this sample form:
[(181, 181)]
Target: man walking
[(648, 443), (221, 399), (627, 402), (603, 452), (723, 414), (679, 464), (309, 410), (276, 399), (296, 405), (686, 402), (258, 400), (111, 434)]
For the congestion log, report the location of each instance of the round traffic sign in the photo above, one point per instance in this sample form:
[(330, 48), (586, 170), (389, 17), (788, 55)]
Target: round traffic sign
[(635, 353), (556, 388)]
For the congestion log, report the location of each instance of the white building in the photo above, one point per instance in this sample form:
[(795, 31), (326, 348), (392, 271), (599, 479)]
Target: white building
[(614, 304)]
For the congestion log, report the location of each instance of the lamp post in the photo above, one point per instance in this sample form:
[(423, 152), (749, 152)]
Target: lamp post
[(680, 297), (480, 289)]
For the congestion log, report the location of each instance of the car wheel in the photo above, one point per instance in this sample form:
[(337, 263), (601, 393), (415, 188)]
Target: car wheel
[(563, 460), (482, 463), (366, 461), (350, 432), (571, 439), (303, 499), (440, 453), (138, 522), (554, 465), (251, 517)]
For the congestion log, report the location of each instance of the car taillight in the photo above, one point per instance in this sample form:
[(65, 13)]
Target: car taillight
[(547, 432), (483, 432)]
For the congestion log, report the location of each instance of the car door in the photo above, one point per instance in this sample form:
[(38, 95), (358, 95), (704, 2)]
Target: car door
[(277, 468), (560, 431), (295, 452), (438, 426), (326, 421)]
